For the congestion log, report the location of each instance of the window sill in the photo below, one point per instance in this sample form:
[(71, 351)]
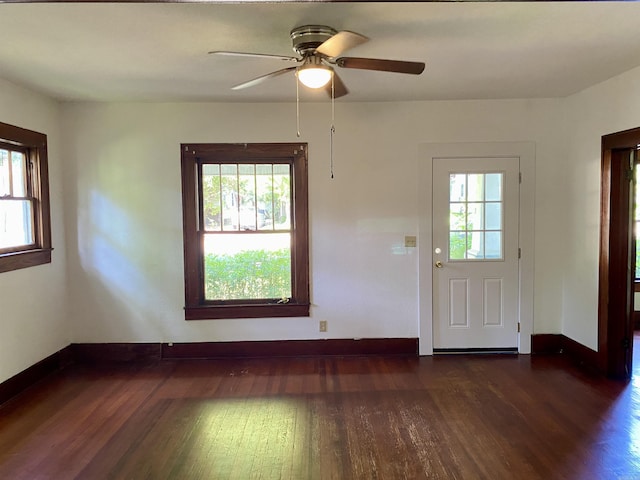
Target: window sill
[(215, 312), (24, 259)]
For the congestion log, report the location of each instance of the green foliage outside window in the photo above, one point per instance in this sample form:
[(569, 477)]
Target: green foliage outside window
[(252, 274)]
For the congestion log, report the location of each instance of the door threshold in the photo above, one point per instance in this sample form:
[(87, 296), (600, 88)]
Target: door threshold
[(475, 351)]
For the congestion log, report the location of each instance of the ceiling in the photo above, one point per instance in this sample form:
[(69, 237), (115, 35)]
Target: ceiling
[(158, 51)]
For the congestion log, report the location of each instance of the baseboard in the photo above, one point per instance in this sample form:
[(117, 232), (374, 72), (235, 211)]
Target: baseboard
[(292, 348), (115, 352), (28, 377), (557, 343), (547, 343), (582, 355)]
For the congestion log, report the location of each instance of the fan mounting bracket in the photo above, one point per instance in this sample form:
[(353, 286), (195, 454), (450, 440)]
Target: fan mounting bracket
[(309, 37)]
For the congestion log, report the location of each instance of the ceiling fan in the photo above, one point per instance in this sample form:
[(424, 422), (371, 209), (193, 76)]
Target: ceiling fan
[(319, 48)]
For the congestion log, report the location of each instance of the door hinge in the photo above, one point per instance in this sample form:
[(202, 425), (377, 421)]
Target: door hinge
[(520, 177), (519, 252), (518, 327)]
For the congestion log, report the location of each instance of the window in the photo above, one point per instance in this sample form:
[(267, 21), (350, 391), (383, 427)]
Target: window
[(25, 231), (245, 230), (475, 223)]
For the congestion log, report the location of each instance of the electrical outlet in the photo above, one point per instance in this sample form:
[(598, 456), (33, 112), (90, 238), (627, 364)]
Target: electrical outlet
[(323, 325)]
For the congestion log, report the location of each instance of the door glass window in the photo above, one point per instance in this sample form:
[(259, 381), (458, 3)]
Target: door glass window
[(476, 209)]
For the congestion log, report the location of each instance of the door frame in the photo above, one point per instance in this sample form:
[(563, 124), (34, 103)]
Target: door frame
[(615, 248), (427, 152)]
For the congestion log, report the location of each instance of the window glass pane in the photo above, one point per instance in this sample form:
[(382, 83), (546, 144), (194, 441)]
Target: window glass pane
[(475, 216), (457, 187), (457, 216), (493, 245), (16, 223), (230, 206), (247, 266), (211, 199), (18, 172), (247, 196), (493, 186), (264, 195), (475, 245), (457, 245), (493, 218), (282, 197), (475, 187), (5, 185)]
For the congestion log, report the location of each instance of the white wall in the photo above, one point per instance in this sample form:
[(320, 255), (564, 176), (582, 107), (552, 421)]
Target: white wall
[(609, 107), (121, 211), (33, 300), (124, 211)]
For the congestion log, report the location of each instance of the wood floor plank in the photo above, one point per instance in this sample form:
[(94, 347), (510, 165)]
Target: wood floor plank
[(448, 417)]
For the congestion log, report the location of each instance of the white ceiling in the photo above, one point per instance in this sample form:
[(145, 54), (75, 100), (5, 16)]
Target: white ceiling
[(158, 51)]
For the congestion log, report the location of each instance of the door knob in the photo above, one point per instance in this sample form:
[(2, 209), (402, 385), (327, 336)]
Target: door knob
[(439, 264)]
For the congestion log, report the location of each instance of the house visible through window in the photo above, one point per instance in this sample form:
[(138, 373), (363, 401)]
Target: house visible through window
[(245, 230), (25, 237)]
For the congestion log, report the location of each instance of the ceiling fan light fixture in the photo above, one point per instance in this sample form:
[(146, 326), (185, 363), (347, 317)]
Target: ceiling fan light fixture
[(314, 74), (314, 77)]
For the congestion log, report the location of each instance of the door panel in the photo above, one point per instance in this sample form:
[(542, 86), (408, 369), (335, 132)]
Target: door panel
[(475, 240)]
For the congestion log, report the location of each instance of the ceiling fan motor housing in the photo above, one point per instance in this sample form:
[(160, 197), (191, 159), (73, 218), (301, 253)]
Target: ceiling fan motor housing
[(309, 37)]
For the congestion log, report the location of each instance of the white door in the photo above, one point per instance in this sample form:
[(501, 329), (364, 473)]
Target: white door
[(475, 253)]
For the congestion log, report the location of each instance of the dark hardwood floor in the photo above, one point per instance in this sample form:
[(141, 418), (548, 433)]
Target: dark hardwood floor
[(447, 417)]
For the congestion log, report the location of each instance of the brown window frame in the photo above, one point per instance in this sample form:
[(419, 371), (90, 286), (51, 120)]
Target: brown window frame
[(193, 155), (34, 145)]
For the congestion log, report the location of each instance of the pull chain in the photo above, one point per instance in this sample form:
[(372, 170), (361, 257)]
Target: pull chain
[(297, 106), (333, 127)]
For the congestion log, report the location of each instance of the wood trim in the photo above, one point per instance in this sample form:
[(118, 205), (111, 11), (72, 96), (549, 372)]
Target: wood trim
[(115, 352), (24, 259), (623, 139), (603, 260), (546, 343), (636, 321), (581, 355), (270, 310), (28, 377), (616, 282), (292, 348), (550, 343)]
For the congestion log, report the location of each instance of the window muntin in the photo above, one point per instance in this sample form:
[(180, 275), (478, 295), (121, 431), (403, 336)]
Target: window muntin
[(25, 232), (476, 210), (237, 197)]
